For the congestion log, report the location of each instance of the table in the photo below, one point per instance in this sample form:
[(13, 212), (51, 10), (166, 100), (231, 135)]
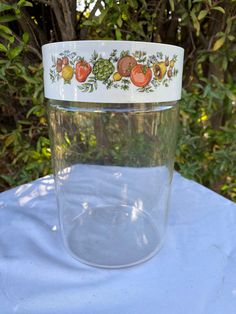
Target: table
[(195, 271)]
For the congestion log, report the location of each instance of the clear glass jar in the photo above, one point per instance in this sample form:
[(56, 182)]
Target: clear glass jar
[(113, 118)]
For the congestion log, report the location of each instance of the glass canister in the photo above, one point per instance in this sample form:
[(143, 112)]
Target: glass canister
[(113, 115)]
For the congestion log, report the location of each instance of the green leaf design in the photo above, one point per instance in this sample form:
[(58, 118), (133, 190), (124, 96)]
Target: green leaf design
[(175, 72), (175, 57), (155, 83), (95, 56), (159, 55), (125, 81), (140, 56), (86, 87), (165, 82), (113, 56), (90, 86), (124, 87), (151, 60), (145, 89), (124, 53), (52, 77), (108, 83)]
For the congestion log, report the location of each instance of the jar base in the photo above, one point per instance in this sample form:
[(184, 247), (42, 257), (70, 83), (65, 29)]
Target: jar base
[(111, 237)]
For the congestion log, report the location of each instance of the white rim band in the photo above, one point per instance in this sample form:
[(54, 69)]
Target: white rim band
[(112, 71)]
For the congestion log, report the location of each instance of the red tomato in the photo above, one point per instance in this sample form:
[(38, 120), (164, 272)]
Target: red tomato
[(82, 70), (141, 75)]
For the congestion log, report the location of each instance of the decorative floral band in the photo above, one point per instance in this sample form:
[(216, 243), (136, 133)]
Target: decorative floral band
[(112, 71)]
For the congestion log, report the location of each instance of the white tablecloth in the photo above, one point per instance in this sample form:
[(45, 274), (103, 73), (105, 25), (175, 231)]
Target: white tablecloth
[(195, 271)]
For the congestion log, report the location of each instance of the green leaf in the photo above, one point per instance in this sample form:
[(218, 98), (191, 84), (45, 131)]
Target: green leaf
[(24, 122), (231, 37), (89, 23), (172, 5), (24, 3), (7, 18), (219, 9), (118, 34), (202, 14), (124, 16), (229, 25), (133, 4), (5, 7), (10, 139), (7, 37), (220, 34), (8, 179), (102, 16), (28, 4), (5, 29), (33, 110), (25, 37), (189, 4), (3, 48), (230, 95), (218, 44), (119, 21), (225, 63), (196, 23), (29, 79), (13, 53)]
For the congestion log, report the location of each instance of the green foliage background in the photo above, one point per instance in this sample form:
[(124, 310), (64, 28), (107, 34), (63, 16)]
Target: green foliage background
[(206, 29)]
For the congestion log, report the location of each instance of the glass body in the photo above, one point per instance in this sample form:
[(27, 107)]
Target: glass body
[(113, 166)]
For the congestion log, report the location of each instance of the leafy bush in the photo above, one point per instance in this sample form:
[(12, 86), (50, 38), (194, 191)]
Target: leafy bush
[(204, 28), (24, 137)]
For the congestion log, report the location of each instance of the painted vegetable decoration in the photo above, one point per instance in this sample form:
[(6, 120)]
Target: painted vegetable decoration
[(159, 70), (170, 71), (103, 69), (65, 60), (64, 69), (82, 70), (117, 76), (125, 65), (172, 63), (119, 70), (67, 73), (141, 75), (59, 65)]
